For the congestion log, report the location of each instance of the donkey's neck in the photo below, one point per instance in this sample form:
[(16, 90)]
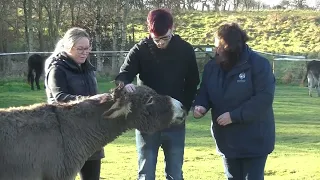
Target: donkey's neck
[(86, 131)]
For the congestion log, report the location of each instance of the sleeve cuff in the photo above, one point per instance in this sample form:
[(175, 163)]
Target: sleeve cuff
[(236, 116)]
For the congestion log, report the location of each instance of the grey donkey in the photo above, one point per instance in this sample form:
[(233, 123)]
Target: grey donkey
[(52, 141)]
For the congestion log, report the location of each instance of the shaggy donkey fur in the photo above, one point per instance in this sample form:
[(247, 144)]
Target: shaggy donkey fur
[(52, 142)]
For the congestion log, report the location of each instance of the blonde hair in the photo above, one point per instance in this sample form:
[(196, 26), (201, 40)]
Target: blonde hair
[(67, 42)]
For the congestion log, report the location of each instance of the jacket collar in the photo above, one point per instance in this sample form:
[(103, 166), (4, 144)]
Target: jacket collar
[(245, 54), (243, 62)]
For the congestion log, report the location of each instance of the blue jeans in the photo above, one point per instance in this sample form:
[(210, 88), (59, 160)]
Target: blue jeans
[(172, 143), (245, 168)]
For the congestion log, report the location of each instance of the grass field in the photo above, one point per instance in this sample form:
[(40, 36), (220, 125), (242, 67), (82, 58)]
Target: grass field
[(296, 155), (284, 32)]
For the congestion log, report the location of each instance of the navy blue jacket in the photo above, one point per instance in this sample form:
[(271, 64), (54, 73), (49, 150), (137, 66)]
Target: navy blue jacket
[(247, 92)]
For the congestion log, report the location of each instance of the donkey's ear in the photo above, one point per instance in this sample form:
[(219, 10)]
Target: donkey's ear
[(116, 92), (111, 113), (117, 110)]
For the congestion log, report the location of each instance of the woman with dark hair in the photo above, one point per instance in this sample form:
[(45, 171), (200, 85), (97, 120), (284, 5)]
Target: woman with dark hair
[(166, 63), (238, 86)]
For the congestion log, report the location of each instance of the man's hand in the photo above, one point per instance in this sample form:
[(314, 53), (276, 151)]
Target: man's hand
[(199, 111), (129, 87), (224, 119)]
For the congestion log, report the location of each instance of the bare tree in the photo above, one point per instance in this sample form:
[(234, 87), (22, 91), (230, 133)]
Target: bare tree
[(236, 4), (4, 26), (38, 4), (204, 4), (248, 4), (115, 37), (98, 32), (27, 8), (72, 4), (318, 4), (54, 12), (299, 4), (216, 4), (285, 3), (126, 10), (224, 4), (189, 4)]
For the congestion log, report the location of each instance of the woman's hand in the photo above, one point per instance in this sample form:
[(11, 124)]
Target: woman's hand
[(199, 112), (224, 119)]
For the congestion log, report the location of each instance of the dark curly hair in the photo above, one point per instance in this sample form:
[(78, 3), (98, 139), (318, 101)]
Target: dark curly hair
[(232, 40)]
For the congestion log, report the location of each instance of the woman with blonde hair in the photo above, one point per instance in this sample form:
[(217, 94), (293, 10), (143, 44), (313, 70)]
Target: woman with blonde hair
[(68, 76)]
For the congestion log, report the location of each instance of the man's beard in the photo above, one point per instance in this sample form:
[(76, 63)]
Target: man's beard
[(227, 60)]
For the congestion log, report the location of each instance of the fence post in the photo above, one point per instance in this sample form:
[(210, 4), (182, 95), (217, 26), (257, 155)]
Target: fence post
[(8, 65), (273, 65)]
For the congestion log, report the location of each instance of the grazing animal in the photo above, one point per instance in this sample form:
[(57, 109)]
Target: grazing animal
[(313, 76), (35, 65), (52, 141)]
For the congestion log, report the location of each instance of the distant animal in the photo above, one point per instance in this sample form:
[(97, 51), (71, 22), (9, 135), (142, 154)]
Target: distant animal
[(313, 76), (52, 141), (35, 69)]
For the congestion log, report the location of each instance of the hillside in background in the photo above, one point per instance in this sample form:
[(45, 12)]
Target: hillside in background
[(286, 32)]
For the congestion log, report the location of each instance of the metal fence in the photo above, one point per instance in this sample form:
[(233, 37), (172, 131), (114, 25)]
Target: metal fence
[(14, 65), (287, 69)]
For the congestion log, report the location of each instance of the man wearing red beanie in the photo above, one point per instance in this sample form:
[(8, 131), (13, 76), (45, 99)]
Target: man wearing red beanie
[(166, 63)]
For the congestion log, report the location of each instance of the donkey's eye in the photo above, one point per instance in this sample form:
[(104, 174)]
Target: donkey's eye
[(150, 100)]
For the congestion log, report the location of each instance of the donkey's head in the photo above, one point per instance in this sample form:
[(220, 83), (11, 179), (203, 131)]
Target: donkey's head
[(145, 110)]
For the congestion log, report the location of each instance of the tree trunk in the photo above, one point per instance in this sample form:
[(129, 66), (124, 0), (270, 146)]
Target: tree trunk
[(97, 33), (115, 48), (5, 62), (40, 26), (115, 36), (51, 33), (3, 28), (54, 10), (71, 6), (235, 5), (216, 5), (27, 7), (124, 31)]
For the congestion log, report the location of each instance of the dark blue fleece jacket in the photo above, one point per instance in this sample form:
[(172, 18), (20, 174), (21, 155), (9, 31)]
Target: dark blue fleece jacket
[(247, 92)]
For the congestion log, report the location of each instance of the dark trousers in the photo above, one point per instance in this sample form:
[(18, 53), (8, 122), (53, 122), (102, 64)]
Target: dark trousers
[(245, 168), (91, 170), (172, 143)]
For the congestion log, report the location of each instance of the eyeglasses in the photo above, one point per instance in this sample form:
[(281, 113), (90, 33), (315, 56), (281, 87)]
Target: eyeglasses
[(165, 38), (82, 50)]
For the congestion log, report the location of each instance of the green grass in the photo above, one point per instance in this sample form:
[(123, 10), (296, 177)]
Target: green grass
[(296, 155), (293, 32)]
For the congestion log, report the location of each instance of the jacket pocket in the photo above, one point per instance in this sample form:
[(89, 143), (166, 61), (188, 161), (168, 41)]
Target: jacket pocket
[(245, 137)]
